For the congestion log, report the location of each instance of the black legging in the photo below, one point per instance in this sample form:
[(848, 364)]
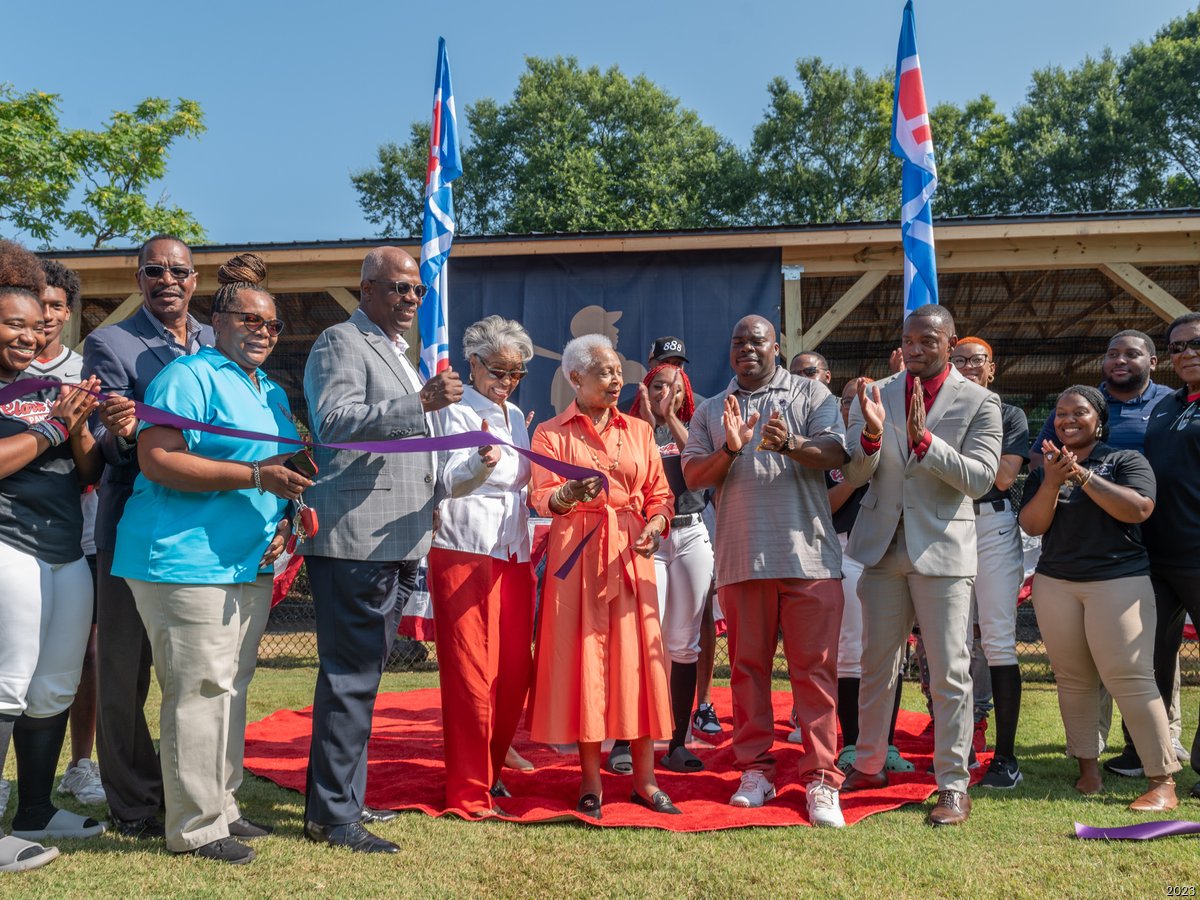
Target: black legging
[(1175, 596)]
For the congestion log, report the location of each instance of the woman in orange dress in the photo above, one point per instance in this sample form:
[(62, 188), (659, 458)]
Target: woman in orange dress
[(600, 667)]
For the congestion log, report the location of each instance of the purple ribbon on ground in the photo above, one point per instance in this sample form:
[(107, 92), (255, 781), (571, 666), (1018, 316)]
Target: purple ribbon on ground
[(1143, 831), (460, 441)]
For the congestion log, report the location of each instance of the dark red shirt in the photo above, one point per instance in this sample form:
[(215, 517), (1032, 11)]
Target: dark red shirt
[(930, 388)]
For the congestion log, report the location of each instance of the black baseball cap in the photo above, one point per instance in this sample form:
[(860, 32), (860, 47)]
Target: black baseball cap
[(668, 348)]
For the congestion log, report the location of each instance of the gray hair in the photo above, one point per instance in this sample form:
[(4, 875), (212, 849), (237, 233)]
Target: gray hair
[(581, 352), (495, 334)]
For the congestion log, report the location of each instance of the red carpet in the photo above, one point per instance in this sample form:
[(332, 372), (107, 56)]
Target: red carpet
[(406, 770)]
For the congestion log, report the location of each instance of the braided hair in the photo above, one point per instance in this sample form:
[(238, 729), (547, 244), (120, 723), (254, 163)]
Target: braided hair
[(686, 411), (1095, 399), (244, 272)]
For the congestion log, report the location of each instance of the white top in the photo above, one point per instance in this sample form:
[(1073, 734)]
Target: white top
[(487, 510)]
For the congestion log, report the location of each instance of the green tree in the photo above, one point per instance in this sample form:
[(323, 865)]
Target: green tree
[(118, 164), (1071, 141), (1161, 81), (974, 157), (573, 150), (36, 172), (823, 149)]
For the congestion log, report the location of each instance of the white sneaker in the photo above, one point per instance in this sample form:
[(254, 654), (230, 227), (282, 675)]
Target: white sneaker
[(824, 808), (83, 780), (753, 791), (5, 787), (1181, 754)]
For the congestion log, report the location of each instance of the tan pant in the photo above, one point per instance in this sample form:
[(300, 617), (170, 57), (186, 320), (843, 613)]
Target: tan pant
[(1103, 631), (205, 643), (893, 593)]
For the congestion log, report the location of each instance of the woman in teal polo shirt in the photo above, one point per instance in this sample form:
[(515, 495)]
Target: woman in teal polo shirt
[(197, 543)]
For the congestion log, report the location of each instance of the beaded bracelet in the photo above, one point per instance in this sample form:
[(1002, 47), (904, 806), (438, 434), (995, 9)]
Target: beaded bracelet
[(257, 477)]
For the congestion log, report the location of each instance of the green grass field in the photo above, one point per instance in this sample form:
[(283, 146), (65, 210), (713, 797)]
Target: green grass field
[(1015, 844)]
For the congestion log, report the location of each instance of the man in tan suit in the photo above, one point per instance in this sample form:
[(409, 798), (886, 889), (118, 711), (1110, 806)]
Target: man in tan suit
[(928, 441)]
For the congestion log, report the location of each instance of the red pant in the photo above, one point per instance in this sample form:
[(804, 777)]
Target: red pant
[(809, 611), (483, 628)]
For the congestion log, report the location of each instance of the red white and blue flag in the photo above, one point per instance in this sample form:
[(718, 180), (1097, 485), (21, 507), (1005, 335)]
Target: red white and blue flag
[(912, 141), (437, 233)]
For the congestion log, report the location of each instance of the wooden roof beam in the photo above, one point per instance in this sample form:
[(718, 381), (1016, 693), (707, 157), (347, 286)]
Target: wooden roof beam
[(1145, 289), (841, 308)]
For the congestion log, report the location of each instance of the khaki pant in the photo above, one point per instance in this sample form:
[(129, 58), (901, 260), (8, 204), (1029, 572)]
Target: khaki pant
[(205, 643), (1103, 631)]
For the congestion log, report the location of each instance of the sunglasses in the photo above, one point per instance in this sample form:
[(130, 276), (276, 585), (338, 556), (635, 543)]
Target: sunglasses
[(255, 322), (402, 287), (847, 402), (1177, 347), (513, 375), (179, 273), (810, 371), (976, 361)]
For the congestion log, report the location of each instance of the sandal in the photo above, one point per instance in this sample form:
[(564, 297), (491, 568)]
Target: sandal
[(63, 824), (620, 760), (846, 758), (514, 760), (682, 760), (17, 855), (895, 762)]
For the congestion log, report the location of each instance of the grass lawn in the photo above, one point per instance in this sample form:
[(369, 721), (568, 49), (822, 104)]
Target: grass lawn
[(1016, 844)]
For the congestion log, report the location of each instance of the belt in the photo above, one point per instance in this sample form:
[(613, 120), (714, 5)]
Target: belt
[(686, 520), (994, 505)]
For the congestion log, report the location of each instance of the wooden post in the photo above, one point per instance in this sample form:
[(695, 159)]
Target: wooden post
[(791, 324)]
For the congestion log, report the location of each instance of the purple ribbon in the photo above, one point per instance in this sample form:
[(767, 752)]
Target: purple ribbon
[(459, 441), (1144, 831)]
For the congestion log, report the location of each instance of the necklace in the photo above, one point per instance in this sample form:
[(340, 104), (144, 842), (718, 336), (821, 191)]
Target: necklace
[(611, 467)]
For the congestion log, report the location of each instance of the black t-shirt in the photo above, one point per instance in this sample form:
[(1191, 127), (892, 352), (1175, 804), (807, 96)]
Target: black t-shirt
[(1173, 450), (843, 519), (686, 502), (1015, 442), (1084, 543), (39, 504)]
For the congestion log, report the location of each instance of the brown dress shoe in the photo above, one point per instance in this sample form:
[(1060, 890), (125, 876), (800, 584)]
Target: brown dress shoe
[(1160, 798), (861, 781), (952, 808)]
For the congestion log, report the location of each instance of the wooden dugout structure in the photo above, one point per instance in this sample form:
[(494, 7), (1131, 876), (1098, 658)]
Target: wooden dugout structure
[(1046, 290)]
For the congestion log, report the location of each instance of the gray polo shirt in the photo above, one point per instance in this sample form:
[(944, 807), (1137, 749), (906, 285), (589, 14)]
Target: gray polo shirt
[(773, 518)]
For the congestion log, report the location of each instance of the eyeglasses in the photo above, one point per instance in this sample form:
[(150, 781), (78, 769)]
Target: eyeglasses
[(975, 362), (846, 402), (513, 375), (255, 322), (402, 287), (1177, 347), (810, 371), (179, 273)]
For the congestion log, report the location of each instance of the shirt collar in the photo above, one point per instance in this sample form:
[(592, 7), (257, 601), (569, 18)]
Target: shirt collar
[(573, 412), (193, 328), (929, 385), (1147, 394), (219, 360), (779, 382)]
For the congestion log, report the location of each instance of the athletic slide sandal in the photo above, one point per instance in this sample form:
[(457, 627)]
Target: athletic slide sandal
[(17, 855), (620, 760), (681, 759), (63, 824)]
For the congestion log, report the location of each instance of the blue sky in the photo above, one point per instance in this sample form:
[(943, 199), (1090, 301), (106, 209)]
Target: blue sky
[(297, 95)]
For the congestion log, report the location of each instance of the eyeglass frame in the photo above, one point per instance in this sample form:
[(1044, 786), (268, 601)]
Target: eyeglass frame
[(974, 361), (417, 289), (1178, 348), (263, 322), (143, 270), (513, 375)]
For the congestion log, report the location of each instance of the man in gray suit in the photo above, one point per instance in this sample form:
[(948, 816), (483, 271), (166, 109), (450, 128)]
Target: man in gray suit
[(928, 441), (126, 357), (376, 513)]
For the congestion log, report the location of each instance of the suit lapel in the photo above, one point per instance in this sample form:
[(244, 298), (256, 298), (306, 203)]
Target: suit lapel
[(946, 398), (897, 415), (380, 345), (151, 337)]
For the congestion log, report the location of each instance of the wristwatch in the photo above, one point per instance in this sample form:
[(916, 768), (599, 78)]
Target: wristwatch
[(788, 445), (733, 453)]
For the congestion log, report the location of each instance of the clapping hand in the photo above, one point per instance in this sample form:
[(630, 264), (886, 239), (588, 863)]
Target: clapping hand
[(774, 432), (76, 403), (1060, 465), (737, 431), (644, 410), (490, 453), (871, 405)]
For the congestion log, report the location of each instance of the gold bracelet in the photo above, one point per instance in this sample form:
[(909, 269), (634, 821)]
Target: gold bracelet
[(1087, 478), (561, 496), (873, 438)]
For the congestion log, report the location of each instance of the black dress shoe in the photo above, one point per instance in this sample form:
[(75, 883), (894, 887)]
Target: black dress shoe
[(499, 789), (141, 829), (352, 836), (225, 850), (589, 805), (659, 803), (371, 815), (246, 830)]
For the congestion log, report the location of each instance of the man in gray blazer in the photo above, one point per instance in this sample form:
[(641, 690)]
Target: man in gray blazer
[(126, 357), (928, 441), (376, 515)]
